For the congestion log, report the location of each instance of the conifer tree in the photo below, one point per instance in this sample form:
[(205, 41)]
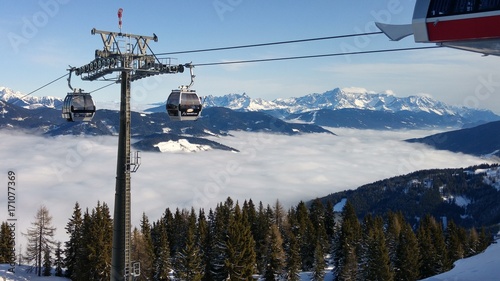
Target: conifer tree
[(432, 247), (168, 224), (375, 253), (188, 262), (219, 227), (209, 247), (47, 262), (6, 244), (347, 245), (279, 215), (161, 262), (330, 225), (317, 216), (58, 261), (473, 243), (306, 236), (275, 255), (293, 259), (81, 269), (148, 255), (484, 239), (240, 260), (40, 238), (203, 237), (74, 245), (407, 265), (97, 241), (395, 223), (319, 263), (454, 243), (261, 228)]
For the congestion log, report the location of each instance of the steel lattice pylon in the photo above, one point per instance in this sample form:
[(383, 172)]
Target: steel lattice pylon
[(133, 62)]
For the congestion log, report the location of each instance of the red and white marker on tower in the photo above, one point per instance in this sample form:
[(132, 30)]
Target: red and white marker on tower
[(120, 14)]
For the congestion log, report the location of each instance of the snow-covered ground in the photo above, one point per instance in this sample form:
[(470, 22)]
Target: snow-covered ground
[(482, 267)]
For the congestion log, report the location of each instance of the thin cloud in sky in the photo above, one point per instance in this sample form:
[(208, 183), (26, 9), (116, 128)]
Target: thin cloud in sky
[(60, 171)]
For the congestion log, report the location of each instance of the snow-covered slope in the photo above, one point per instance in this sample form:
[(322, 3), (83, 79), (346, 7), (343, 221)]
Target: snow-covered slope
[(483, 267)]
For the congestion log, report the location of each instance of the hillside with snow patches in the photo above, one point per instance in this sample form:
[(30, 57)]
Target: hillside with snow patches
[(468, 196)]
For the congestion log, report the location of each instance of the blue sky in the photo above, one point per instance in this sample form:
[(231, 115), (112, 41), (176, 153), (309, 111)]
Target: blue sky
[(41, 38)]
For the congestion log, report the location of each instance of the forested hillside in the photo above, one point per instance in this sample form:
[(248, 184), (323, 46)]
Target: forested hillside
[(248, 241), (469, 196)]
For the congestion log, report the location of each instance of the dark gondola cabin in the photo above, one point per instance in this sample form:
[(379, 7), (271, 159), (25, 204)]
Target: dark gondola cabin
[(78, 106), (183, 105)]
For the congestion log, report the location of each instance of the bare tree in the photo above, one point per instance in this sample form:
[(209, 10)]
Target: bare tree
[(40, 238)]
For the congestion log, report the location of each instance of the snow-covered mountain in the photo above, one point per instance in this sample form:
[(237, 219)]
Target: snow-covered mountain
[(347, 107), (29, 102), (354, 98)]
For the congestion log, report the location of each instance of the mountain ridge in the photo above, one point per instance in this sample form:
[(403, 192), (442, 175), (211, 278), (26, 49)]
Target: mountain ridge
[(347, 107)]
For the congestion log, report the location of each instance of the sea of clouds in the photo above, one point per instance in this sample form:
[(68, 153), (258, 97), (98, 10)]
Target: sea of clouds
[(59, 171)]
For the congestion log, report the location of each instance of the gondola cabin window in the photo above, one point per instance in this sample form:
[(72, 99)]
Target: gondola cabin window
[(439, 8)]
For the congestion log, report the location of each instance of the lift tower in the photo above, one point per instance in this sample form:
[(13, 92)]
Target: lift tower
[(126, 54)]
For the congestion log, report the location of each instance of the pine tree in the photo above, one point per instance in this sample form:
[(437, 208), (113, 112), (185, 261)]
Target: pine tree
[(275, 255), (473, 243), (58, 261), (293, 258), (40, 238), (74, 245), (6, 244), (347, 245), (454, 242), (375, 253), (240, 260), (395, 223), (219, 228), (330, 225), (319, 263), (161, 262), (485, 239), (279, 215), (317, 217), (406, 264), (188, 262), (47, 263), (432, 247), (83, 262), (94, 260), (306, 236), (147, 258), (261, 228), (204, 238)]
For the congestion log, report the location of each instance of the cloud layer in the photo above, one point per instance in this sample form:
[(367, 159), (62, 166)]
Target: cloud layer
[(58, 172)]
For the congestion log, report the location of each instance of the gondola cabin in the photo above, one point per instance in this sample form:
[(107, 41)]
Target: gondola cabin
[(78, 107), (471, 25), (183, 105), (464, 24)]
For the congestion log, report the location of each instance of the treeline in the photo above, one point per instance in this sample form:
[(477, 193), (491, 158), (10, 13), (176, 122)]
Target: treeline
[(238, 242)]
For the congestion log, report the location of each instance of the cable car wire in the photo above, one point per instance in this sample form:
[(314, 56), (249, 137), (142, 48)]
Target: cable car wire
[(53, 81), (114, 83), (317, 56), (271, 43), (268, 59)]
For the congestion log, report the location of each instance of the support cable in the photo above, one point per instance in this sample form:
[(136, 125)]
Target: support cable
[(316, 56), (272, 43), (55, 80), (265, 60)]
